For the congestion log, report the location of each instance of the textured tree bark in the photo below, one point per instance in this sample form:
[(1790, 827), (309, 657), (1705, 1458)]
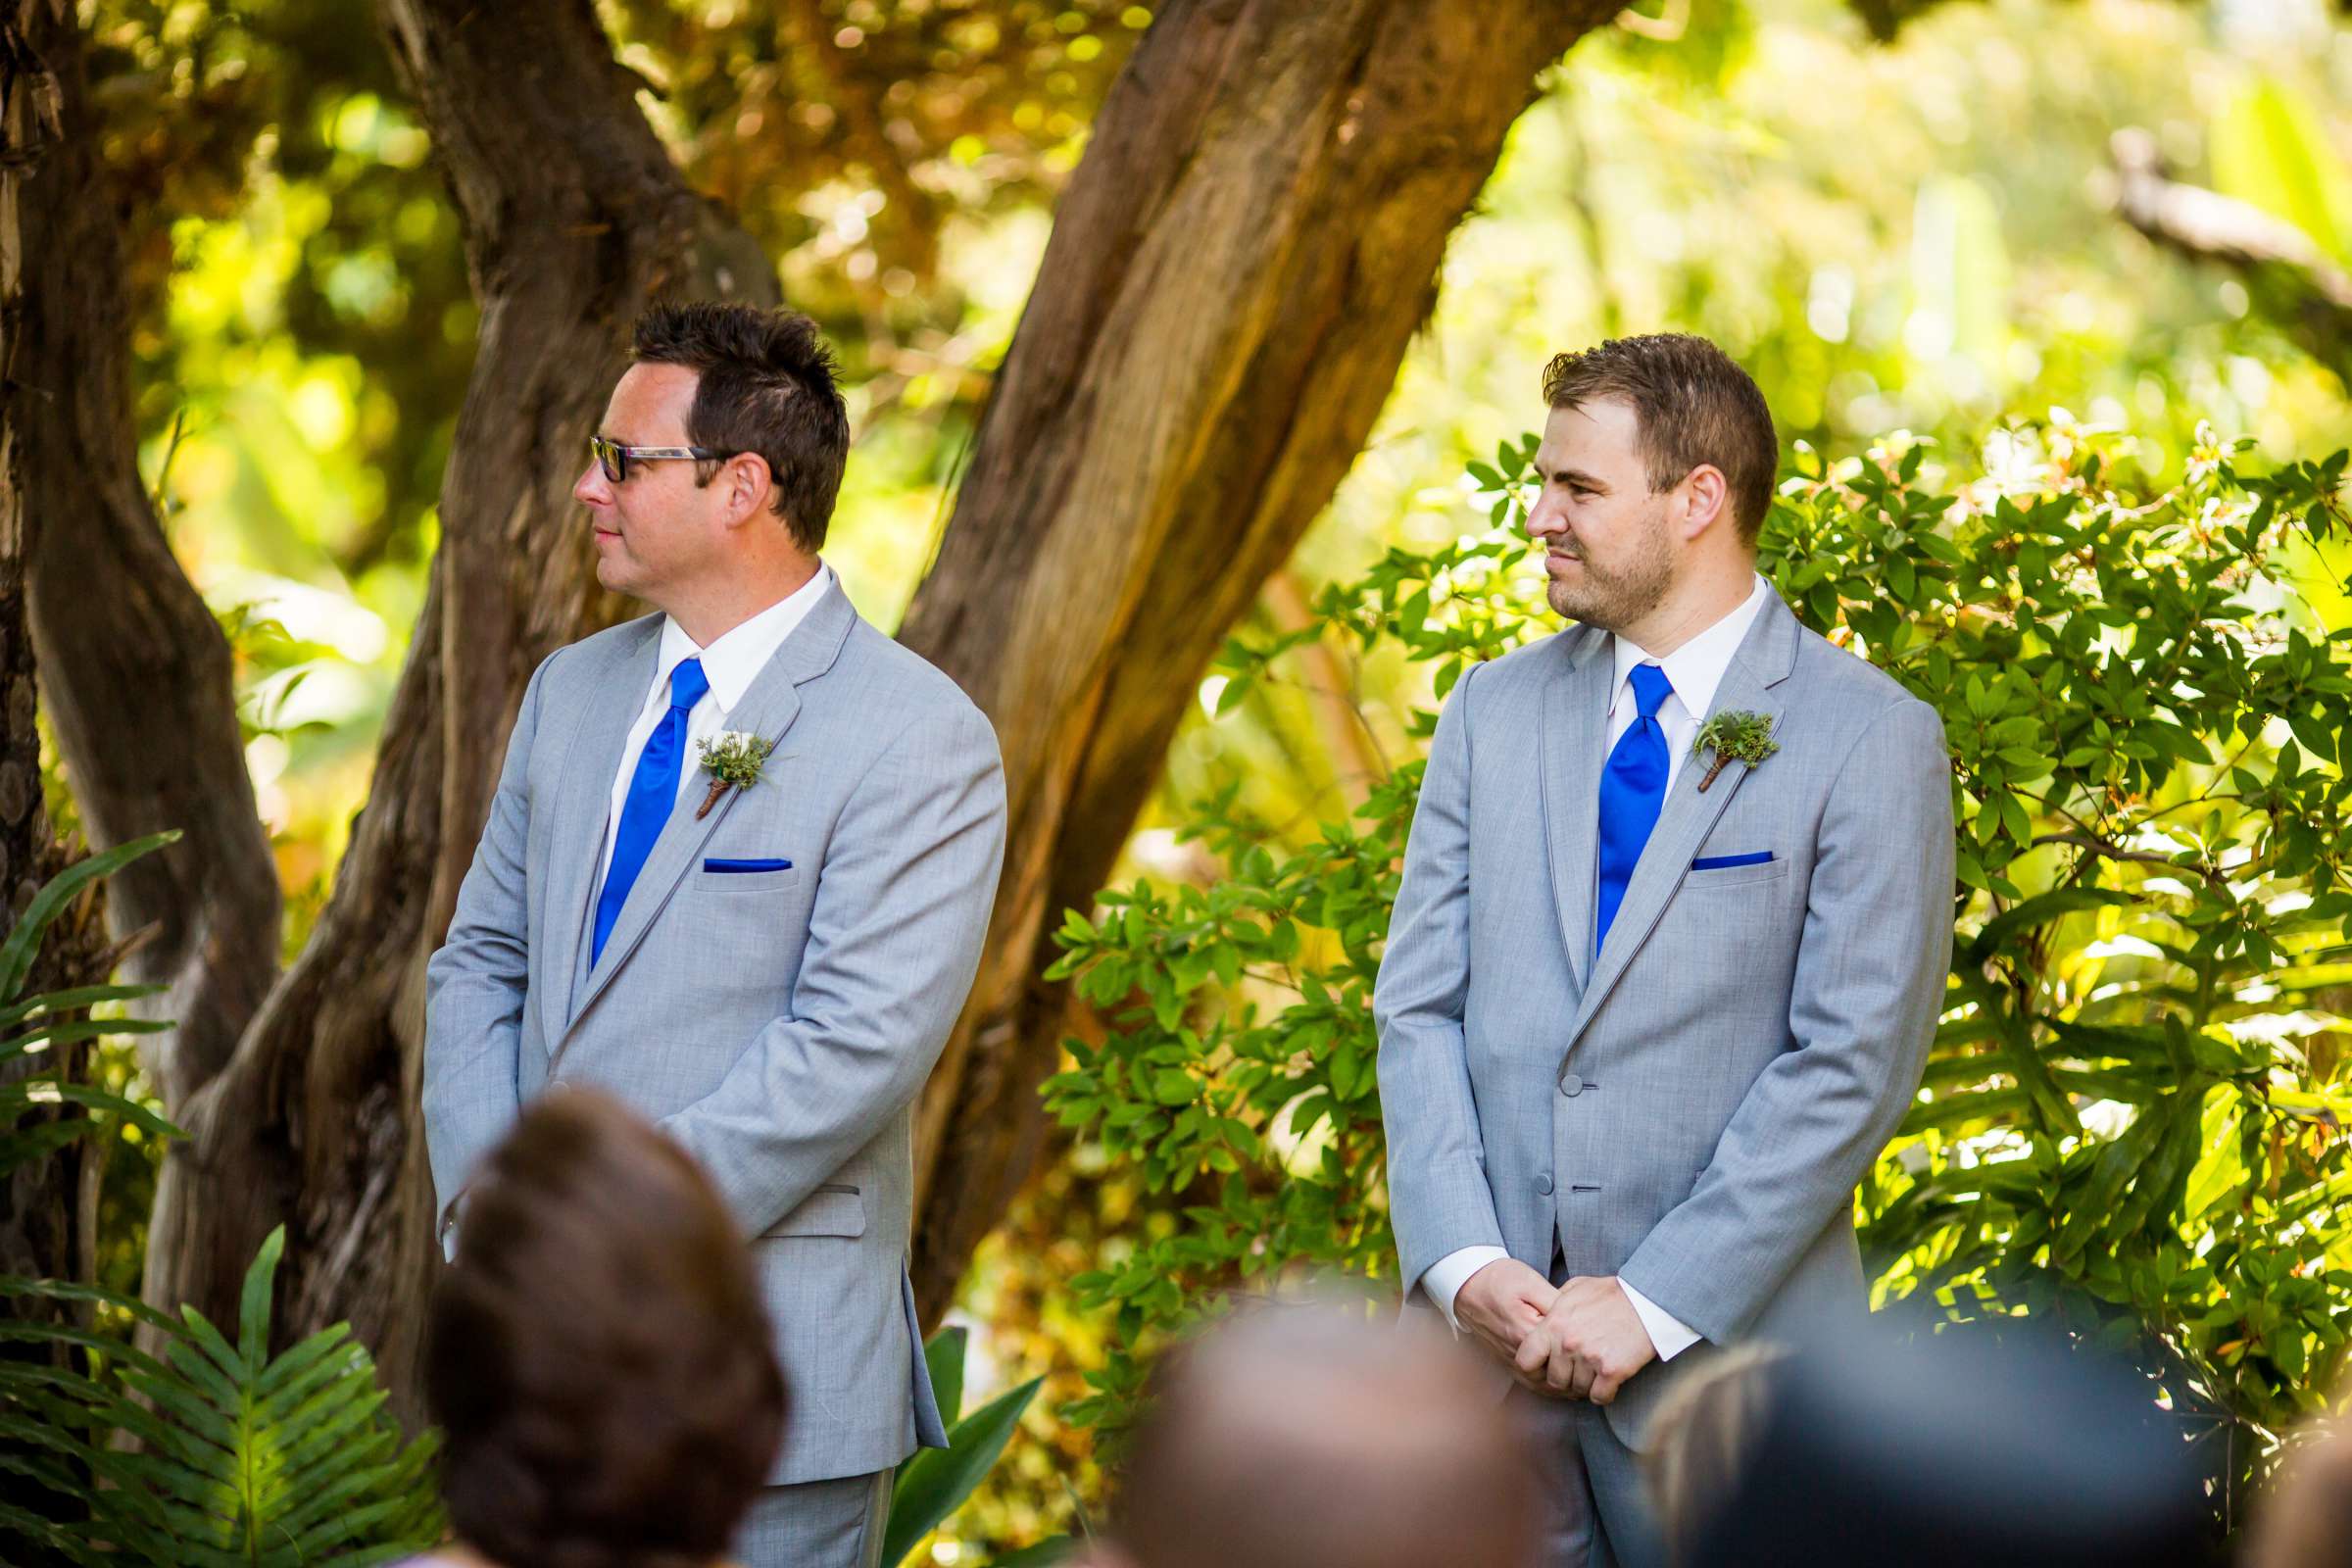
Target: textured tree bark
[(46, 1205), (136, 670), (574, 220), (1234, 275), (36, 1208)]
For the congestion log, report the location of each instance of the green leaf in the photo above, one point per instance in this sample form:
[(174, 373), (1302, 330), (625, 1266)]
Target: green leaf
[(72, 1001), (935, 1483), (2041, 911), (25, 1093), (944, 1354), (24, 941)]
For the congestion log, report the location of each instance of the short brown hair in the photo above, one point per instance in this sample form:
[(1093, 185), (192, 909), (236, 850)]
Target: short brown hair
[(598, 1357), (1691, 403), (768, 387)]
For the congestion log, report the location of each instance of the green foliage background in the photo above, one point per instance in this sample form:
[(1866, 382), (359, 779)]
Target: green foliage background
[(1907, 235), (2132, 1112)]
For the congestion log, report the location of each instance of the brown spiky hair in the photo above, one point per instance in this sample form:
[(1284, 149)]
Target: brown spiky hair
[(768, 385)]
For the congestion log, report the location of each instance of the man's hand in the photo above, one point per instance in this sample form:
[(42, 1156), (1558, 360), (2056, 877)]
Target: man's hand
[(1590, 1342), (1502, 1304)]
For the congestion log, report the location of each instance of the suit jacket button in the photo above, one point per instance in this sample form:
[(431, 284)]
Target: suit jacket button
[(1543, 1184), (1572, 1086)]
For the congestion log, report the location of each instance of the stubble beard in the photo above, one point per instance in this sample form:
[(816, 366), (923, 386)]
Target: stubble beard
[(1616, 597)]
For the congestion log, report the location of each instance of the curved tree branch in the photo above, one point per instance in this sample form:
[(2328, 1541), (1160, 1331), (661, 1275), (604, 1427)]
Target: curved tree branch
[(2291, 281), (1243, 256)]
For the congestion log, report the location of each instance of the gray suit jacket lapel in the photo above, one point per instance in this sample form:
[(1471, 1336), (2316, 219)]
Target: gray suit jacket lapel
[(584, 808), (1574, 718), (1767, 656), (767, 709)]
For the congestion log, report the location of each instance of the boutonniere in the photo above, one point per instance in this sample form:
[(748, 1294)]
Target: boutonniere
[(733, 758), (1734, 737)]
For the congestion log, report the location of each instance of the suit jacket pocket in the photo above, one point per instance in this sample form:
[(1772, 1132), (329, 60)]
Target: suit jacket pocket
[(833, 1209), (1713, 878), (706, 880)]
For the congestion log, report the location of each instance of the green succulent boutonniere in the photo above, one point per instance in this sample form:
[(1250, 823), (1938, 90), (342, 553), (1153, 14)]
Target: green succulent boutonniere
[(1734, 737), (733, 758)]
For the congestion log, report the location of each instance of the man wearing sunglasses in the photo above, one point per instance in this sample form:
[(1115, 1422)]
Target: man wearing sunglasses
[(765, 957)]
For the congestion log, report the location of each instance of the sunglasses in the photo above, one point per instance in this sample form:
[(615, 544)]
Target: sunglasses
[(614, 459)]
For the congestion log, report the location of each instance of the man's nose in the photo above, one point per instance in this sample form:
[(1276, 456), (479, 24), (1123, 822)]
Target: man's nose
[(592, 488)]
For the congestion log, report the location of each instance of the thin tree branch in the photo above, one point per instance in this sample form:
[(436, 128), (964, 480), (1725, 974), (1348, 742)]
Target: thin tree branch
[(2286, 273)]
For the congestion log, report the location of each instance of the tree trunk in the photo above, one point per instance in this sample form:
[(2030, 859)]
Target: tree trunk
[(574, 220), (36, 1199), (145, 713), (47, 1205), (1233, 278)]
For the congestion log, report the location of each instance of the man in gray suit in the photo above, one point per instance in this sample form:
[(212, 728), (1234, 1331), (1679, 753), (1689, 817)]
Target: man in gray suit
[(1641, 1029), (767, 963)]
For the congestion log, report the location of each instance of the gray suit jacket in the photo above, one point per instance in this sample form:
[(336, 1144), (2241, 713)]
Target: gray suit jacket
[(1691, 1109), (778, 1024)]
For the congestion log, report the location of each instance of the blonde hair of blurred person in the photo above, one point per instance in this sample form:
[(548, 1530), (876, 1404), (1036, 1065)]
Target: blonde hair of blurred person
[(1311, 1437), (1702, 1436), (2305, 1520)]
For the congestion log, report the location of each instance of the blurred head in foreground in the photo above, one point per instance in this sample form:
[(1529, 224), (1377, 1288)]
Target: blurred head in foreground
[(1702, 1436), (1991, 1445), (2305, 1521), (599, 1360), (1292, 1436)]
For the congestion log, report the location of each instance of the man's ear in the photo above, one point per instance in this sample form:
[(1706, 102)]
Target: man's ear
[(749, 486), (1706, 500)]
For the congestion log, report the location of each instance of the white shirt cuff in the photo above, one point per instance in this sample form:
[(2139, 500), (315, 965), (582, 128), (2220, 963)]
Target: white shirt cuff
[(1669, 1336), (1449, 1274), (448, 1228)]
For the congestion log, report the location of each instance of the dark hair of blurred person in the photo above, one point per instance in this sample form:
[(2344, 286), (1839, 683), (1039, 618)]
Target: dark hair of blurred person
[(1702, 1436), (597, 1358), (1991, 1443), (2303, 1519), (1298, 1437)]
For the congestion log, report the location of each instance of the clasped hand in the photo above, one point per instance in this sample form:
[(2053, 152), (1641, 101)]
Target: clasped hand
[(1580, 1341)]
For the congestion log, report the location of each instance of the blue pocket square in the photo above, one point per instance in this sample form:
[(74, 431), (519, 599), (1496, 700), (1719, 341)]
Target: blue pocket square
[(747, 865), (1718, 862)]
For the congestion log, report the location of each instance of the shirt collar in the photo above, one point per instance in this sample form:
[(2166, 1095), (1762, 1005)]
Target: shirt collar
[(1696, 668), (737, 655)]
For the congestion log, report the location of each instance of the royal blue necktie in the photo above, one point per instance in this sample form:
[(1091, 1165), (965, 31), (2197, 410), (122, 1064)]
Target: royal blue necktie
[(653, 796), (1632, 789)]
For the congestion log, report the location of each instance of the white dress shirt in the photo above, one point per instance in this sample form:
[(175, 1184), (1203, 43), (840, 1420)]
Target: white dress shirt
[(1694, 670), (733, 661)]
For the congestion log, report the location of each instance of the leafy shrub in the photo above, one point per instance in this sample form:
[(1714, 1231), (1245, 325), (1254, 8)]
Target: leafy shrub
[(241, 1458), (2132, 1109)]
